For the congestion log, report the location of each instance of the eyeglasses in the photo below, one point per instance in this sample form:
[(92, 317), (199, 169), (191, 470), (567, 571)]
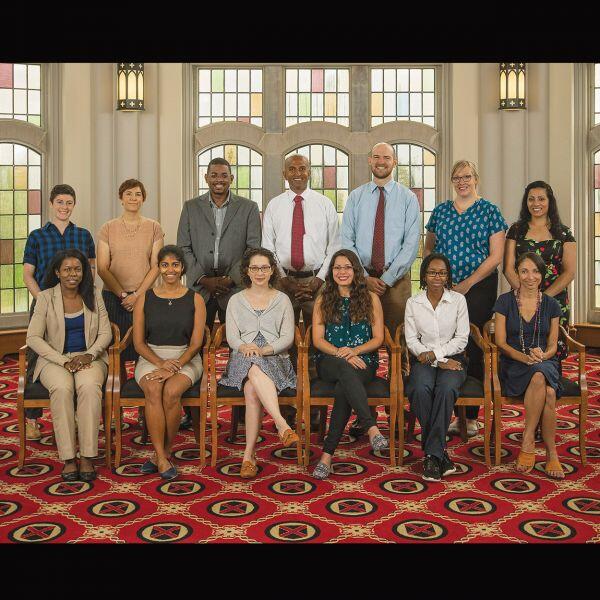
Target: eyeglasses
[(263, 269), (338, 268), (436, 273), (465, 178)]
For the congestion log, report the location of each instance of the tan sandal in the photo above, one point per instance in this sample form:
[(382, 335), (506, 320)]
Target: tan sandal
[(527, 460), (288, 438), (249, 469), (554, 465)]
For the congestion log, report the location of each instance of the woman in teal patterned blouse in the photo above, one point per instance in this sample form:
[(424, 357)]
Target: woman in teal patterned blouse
[(347, 331)]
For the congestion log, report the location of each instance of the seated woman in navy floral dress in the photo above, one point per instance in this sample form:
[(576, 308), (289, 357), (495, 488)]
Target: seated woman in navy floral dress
[(526, 334), (347, 331)]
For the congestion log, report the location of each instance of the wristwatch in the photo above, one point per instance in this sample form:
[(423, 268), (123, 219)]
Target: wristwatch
[(124, 295)]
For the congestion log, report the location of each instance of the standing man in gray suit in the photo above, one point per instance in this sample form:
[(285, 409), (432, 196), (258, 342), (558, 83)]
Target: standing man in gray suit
[(214, 231)]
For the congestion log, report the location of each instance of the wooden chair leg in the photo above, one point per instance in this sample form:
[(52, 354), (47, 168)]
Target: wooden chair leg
[(400, 428), (214, 427), (393, 420), (486, 434), (462, 420), (235, 420), (202, 435), (497, 432), (117, 416), (582, 423), (299, 417), (107, 433), (306, 423), (22, 436)]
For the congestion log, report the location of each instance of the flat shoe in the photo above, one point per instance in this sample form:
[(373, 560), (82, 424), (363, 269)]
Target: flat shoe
[(87, 475), (554, 465), (169, 473), (70, 476), (289, 437), (379, 442), (527, 460), (321, 471), (148, 468), (248, 470)]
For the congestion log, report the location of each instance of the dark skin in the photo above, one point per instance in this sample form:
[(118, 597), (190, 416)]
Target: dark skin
[(70, 275), (436, 277), (219, 180)]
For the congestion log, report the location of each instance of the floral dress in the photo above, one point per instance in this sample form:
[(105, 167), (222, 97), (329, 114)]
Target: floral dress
[(350, 335), (551, 252)]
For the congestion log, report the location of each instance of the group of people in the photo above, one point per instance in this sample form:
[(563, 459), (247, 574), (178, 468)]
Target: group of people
[(259, 278)]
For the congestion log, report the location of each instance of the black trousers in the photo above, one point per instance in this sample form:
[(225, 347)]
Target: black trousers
[(480, 302), (350, 394), (122, 318), (432, 393), (212, 308)]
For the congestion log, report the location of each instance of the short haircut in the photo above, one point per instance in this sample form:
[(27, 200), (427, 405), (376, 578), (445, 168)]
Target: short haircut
[(246, 281), (289, 159), (425, 265), (62, 188), (129, 184), (537, 260), (461, 164), (172, 250), (218, 161), (387, 144)]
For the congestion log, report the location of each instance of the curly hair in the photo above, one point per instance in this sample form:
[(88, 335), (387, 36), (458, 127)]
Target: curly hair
[(86, 285), (556, 228), (361, 304), (425, 265), (246, 281)]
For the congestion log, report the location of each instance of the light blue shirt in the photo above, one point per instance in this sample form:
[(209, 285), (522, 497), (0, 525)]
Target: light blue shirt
[(402, 227)]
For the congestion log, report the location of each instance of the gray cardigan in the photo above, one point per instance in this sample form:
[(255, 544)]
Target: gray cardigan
[(276, 323)]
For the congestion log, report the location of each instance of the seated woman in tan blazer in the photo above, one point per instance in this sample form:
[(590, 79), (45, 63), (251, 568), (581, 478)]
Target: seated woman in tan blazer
[(70, 332)]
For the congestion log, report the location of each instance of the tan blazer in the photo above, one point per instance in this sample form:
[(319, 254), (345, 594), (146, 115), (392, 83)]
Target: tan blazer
[(46, 331)]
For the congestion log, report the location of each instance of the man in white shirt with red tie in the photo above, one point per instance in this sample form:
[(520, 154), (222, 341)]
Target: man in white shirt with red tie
[(301, 227)]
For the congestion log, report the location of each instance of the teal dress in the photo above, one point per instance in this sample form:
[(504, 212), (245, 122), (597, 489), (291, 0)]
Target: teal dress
[(350, 335)]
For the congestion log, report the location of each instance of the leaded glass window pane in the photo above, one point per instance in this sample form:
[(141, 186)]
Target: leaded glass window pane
[(246, 168), (317, 95), (328, 172), (20, 213), (403, 94), (596, 93), (20, 92), (230, 95)]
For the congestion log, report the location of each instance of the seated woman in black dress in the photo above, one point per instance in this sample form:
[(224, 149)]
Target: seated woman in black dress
[(527, 336), (347, 331), (168, 327)]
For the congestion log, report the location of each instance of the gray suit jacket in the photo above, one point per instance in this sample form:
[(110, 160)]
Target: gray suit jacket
[(196, 237)]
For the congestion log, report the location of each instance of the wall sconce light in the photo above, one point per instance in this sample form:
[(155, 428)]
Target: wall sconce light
[(130, 86), (512, 86)]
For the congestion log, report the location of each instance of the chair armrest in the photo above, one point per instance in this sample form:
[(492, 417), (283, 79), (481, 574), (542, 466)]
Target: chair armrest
[(220, 335), (22, 371), (572, 345), (496, 388)]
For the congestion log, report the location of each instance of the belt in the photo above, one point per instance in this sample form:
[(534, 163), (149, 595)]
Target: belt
[(301, 274)]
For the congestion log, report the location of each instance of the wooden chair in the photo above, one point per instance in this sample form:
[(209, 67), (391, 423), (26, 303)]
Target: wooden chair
[(574, 393), (379, 391), (472, 393), (35, 395), (127, 393), (220, 395)]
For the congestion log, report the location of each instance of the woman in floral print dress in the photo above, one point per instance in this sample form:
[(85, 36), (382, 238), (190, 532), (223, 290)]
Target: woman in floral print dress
[(540, 230)]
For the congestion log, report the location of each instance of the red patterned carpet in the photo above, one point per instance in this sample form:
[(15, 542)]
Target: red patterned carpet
[(363, 501)]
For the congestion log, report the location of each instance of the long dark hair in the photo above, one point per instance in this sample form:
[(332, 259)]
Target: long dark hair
[(361, 304), (556, 227), (86, 286)]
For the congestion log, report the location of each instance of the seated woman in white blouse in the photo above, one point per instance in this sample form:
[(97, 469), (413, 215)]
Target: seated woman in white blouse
[(436, 328)]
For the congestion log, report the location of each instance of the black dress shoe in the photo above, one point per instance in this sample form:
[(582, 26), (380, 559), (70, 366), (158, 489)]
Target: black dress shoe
[(70, 476), (447, 467), (431, 468), (87, 475)]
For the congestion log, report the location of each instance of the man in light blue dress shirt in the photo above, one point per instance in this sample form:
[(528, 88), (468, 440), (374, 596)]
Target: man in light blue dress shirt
[(401, 227)]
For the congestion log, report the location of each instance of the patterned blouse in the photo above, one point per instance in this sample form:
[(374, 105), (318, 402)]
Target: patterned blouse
[(465, 238), (351, 334)]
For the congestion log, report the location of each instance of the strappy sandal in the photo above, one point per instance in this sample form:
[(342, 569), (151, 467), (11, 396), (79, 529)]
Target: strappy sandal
[(527, 460), (554, 465), (288, 438), (321, 471), (248, 469)]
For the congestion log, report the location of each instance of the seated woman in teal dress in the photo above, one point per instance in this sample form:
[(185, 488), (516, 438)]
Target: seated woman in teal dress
[(347, 332), (526, 334)]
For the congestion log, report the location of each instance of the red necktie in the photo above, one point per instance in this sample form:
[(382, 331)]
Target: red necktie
[(298, 235), (378, 249)]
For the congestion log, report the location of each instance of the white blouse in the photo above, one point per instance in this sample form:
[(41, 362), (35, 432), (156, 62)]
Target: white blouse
[(443, 331)]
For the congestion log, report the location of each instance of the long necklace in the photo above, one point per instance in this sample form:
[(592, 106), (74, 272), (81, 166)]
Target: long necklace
[(536, 322), (131, 232)]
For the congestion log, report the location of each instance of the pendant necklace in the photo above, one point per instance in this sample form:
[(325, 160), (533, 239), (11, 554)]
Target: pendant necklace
[(536, 322)]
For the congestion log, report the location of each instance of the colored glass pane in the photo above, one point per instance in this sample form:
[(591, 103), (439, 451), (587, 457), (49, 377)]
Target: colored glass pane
[(6, 252), (19, 250), (246, 167), (20, 202), (6, 203), (230, 95), (7, 275), (408, 94), (20, 92), (20, 178), (6, 227), (19, 276), (7, 301), (21, 300), (21, 222), (317, 95), (6, 178)]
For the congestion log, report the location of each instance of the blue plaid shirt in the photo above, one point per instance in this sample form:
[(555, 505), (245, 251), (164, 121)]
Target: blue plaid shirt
[(42, 244)]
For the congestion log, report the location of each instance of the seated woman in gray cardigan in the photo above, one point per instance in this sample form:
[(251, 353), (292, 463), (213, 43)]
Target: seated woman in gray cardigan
[(260, 329)]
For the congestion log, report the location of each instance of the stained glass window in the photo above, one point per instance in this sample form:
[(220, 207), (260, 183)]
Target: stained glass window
[(328, 173), (404, 94), (317, 95), (20, 92), (596, 93), (230, 95), (416, 170), (246, 168), (20, 213)]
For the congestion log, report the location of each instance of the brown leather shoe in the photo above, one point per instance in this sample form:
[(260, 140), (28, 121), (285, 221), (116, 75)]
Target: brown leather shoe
[(248, 470), (288, 438)]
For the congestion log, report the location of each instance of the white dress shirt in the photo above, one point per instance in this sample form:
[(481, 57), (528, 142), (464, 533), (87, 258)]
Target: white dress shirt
[(321, 225), (443, 331)]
